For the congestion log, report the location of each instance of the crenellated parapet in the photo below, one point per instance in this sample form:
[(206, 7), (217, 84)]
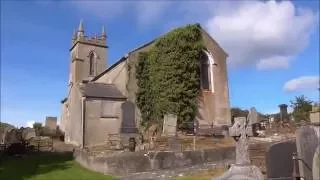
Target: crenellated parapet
[(80, 37)]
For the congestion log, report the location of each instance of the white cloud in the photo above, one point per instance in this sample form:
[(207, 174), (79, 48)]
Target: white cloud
[(275, 62), (265, 34), (30, 124), (303, 83)]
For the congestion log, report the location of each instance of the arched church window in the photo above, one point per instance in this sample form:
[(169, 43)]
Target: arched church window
[(91, 65), (206, 74)]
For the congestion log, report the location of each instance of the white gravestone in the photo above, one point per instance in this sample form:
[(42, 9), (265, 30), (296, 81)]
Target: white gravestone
[(169, 125)]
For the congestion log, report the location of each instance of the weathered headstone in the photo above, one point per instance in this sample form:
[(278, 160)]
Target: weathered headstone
[(279, 161), (254, 121), (253, 116), (307, 139), (241, 131), (169, 125), (316, 164)]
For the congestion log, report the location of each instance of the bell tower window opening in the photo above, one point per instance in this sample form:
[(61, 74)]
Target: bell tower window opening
[(91, 64)]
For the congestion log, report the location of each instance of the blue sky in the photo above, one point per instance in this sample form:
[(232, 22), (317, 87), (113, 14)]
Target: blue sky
[(273, 47)]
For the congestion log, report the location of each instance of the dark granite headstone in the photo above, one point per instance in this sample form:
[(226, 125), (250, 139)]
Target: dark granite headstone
[(128, 114), (308, 138), (279, 161)]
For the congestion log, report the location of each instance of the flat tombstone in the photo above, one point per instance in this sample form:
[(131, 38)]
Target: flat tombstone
[(308, 138), (279, 163), (169, 125)]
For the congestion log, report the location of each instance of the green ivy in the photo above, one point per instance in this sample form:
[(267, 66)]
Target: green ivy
[(168, 76)]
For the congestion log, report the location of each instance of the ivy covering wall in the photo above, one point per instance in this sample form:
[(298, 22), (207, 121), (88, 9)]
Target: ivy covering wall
[(168, 76)]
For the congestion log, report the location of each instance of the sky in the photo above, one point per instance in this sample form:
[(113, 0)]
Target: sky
[(273, 47)]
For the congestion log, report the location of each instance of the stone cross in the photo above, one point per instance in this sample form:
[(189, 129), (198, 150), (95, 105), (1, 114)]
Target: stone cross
[(241, 131)]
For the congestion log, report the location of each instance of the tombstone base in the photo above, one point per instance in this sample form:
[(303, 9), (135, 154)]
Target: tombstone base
[(243, 172)]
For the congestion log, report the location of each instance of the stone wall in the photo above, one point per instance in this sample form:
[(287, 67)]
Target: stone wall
[(102, 117), (73, 126), (134, 162)]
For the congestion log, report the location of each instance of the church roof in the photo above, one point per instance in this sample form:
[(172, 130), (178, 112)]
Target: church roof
[(146, 44), (101, 90)]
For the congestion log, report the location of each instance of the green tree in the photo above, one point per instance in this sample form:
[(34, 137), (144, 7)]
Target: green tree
[(237, 112), (301, 107), (37, 126)]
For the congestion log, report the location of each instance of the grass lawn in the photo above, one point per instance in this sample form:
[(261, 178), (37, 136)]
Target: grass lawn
[(203, 175), (46, 167)]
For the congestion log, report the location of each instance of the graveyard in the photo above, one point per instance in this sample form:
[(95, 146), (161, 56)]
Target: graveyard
[(203, 90), (276, 151)]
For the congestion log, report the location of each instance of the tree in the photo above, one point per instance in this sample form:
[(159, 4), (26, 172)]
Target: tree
[(237, 112), (301, 108), (37, 127)]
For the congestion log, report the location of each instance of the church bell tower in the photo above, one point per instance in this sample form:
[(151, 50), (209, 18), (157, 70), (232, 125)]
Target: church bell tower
[(87, 55)]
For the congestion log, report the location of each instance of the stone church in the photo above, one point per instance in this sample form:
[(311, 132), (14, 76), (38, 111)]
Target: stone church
[(101, 99)]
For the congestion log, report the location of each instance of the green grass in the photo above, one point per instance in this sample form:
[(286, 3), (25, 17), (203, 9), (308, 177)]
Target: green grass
[(46, 167)]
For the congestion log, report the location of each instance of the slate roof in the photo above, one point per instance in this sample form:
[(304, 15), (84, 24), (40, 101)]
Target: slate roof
[(144, 45), (101, 90)]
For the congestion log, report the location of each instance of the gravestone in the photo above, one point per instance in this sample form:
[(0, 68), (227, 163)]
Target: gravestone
[(316, 164), (253, 116), (279, 161), (307, 139), (241, 131), (254, 121), (169, 125), (128, 124)]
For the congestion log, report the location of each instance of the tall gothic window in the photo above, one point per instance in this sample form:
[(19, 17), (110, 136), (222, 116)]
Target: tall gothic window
[(205, 70), (91, 65)]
